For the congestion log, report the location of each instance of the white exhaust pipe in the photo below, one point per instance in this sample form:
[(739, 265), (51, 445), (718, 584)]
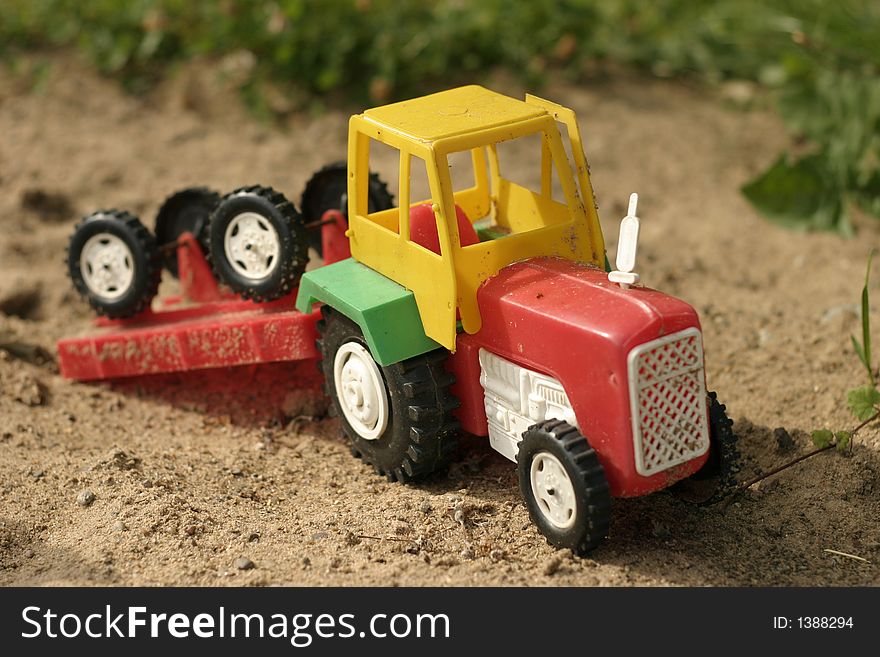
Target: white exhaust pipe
[(627, 246)]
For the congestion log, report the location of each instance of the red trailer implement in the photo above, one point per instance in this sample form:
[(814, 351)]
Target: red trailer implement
[(201, 328)]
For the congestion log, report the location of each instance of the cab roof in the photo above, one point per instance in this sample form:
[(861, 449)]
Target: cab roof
[(453, 112)]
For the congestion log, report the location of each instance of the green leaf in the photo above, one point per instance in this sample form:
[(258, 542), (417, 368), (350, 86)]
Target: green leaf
[(822, 438), (868, 196), (866, 323), (798, 195), (863, 402), (843, 440), (859, 351)]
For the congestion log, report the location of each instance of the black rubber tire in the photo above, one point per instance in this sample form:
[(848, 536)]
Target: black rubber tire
[(717, 477), (280, 213), (421, 435), (185, 211), (581, 463), (327, 189), (146, 265)]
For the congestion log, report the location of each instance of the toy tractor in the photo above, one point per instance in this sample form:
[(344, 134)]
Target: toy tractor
[(487, 308), (482, 307)]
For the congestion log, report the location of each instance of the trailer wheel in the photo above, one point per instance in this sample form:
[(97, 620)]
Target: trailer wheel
[(113, 262), (717, 477), (258, 243), (398, 418), (185, 211), (327, 189), (564, 486)]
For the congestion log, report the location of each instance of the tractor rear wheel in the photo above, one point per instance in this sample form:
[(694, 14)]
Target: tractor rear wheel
[(398, 418), (564, 486), (258, 243)]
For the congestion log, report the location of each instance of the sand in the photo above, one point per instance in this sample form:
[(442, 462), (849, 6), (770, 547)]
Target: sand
[(194, 485)]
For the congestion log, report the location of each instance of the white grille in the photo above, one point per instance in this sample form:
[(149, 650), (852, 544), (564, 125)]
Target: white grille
[(668, 401)]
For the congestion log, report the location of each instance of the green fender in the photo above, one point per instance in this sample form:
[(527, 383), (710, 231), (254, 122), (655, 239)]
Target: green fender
[(386, 311)]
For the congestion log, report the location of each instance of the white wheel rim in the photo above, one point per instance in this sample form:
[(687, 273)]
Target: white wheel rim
[(107, 266), (252, 246), (360, 390), (553, 490)]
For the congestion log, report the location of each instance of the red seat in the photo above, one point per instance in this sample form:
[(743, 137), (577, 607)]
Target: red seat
[(423, 227)]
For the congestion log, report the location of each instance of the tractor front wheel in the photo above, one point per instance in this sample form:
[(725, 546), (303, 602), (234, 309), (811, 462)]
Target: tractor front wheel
[(564, 486), (398, 418), (718, 476)]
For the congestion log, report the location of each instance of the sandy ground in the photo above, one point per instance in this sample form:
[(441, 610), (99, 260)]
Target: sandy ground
[(189, 482)]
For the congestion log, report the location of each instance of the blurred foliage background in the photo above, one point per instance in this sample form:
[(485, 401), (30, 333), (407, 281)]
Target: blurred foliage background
[(818, 59)]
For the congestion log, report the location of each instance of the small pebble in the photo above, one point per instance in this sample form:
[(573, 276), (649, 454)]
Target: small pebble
[(29, 554), (85, 498), (426, 507), (784, 442), (29, 391), (850, 310), (552, 566), (243, 563)]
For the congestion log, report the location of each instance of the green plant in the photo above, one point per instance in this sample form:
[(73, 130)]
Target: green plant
[(829, 96), (820, 60), (863, 349), (863, 401)]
